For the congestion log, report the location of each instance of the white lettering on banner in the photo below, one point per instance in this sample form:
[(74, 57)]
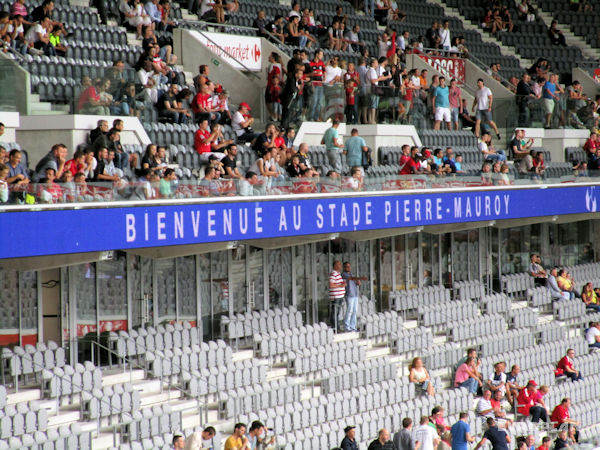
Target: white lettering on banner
[(160, 226), (178, 219), (449, 67), (242, 52), (226, 221), (129, 227)]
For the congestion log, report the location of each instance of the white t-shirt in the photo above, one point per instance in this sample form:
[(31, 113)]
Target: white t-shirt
[(483, 147), (383, 47), (401, 42), (11, 29), (493, 382), (445, 37), (32, 34), (236, 122), (372, 75), (425, 435), (416, 81), (482, 96), (591, 334), (332, 72), (484, 405), (205, 6)]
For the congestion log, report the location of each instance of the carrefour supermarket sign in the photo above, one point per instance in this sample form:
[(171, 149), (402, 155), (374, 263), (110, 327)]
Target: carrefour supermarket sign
[(97, 228)]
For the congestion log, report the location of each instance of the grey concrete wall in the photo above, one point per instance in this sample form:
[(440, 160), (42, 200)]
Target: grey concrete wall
[(241, 87)]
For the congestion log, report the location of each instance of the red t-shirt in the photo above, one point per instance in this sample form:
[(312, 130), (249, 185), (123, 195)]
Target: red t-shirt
[(350, 96), (201, 101), (279, 142), (198, 138), (407, 164), (73, 166), (565, 364), (591, 146), (275, 92), (525, 399), (87, 95), (559, 415), (409, 92), (351, 76)]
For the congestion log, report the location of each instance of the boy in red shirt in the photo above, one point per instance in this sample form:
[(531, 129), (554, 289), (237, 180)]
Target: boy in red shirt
[(351, 109)]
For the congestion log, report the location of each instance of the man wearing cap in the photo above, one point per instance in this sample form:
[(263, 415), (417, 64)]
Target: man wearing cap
[(241, 123), (349, 442), (527, 406), (382, 442), (497, 437)]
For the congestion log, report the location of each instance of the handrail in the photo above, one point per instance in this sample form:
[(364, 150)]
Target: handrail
[(250, 72)]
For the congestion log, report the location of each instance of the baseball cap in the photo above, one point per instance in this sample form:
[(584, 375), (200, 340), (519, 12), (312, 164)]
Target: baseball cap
[(348, 428), (246, 105), (427, 153), (532, 383)]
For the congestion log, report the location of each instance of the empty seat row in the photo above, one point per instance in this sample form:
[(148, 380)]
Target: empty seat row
[(246, 325), (149, 339), (414, 339), (16, 420), (325, 357), (31, 359), (278, 342), (221, 378), (539, 296), (110, 401), (246, 399), (442, 356), (412, 298), (468, 290), (479, 326), (63, 437), (69, 380), (517, 282), (345, 377), (523, 318), (380, 325), (436, 315), (568, 309), (149, 422), (549, 332), (495, 303), (508, 340)]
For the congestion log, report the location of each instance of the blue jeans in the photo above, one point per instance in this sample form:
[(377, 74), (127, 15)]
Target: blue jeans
[(595, 345), (498, 156), (350, 320), (370, 8), (470, 384), (315, 103)]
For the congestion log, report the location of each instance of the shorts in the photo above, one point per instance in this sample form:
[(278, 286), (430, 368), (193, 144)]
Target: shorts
[(442, 113), (483, 114), (373, 101), (454, 114), (548, 105)]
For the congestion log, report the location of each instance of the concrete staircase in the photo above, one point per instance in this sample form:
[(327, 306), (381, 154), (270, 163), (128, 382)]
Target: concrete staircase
[(570, 37), (40, 108), (506, 50)]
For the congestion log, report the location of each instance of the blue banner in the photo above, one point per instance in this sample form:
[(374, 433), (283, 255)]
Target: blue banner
[(53, 232)]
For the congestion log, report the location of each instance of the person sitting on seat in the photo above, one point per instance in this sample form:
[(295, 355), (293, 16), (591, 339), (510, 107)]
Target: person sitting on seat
[(418, 374), (526, 403), (555, 290), (566, 366), (467, 376)]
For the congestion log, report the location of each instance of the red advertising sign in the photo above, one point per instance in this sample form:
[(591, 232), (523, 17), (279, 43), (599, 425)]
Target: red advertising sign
[(597, 75), (449, 67)]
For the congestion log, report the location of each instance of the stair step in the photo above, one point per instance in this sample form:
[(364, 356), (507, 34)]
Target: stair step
[(164, 397), (64, 418), (37, 112), (104, 441), (122, 377), (23, 396)]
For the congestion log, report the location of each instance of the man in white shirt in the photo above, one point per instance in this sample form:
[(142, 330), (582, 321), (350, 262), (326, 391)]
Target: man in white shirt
[(592, 335), (484, 405), (38, 35), (353, 38), (241, 123), (444, 33), (333, 73), (426, 435), (402, 40), (483, 101)]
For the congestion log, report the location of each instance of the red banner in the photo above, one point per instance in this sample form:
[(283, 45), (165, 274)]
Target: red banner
[(449, 67), (597, 75)]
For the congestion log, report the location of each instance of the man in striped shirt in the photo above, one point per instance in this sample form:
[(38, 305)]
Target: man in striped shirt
[(337, 292)]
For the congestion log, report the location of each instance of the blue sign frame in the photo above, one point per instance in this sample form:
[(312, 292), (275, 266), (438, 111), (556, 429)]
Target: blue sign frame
[(52, 232)]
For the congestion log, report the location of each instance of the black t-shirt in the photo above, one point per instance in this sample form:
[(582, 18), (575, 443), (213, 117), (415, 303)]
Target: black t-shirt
[(523, 90), (228, 162), (293, 171), (497, 438), (259, 143), (167, 97), (99, 169), (38, 14), (516, 143)]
